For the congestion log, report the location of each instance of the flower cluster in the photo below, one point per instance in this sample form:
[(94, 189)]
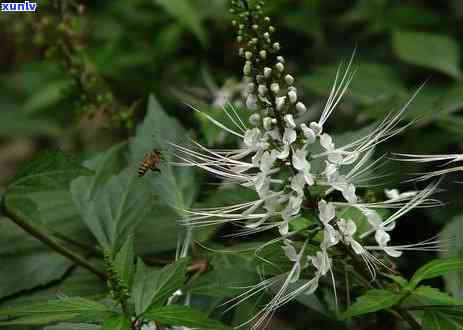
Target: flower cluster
[(296, 167)]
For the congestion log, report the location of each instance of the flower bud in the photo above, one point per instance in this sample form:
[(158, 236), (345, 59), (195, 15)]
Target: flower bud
[(281, 59), (255, 27), (251, 101), (266, 35), (271, 29), (260, 78), (248, 55), (275, 88), (254, 119), (267, 72), (280, 67), (289, 120), (268, 122), (289, 79), (276, 46), (262, 89), (300, 107), (263, 54), (292, 95), (251, 87), (280, 102), (247, 68)]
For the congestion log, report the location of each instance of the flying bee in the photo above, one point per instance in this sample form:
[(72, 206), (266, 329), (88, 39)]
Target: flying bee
[(150, 162)]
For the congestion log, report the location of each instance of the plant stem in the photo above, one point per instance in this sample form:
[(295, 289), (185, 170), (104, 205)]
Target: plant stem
[(409, 318), (51, 242)]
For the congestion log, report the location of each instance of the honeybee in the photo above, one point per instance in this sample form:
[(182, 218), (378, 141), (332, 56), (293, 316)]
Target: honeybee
[(150, 162)]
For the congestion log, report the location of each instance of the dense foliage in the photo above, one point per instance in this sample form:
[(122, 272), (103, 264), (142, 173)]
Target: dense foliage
[(89, 243)]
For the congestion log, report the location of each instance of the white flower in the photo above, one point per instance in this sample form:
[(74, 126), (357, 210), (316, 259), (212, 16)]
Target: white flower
[(298, 183), (292, 255), (347, 228), (383, 238), (395, 194), (309, 134), (289, 136), (316, 127), (280, 102), (289, 120), (301, 164), (322, 262), (327, 211)]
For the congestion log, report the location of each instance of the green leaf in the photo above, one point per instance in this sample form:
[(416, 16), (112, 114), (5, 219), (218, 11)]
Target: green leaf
[(452, 237), (183, 316), (47, 96), (15, 123), (176, 187), (187, 15), (438, 52), (79, 282), (436, 268), (373, 301), (152, 288), (55, 310), (38, 195), (118, 322), (443, 319), (120, 206), (124, 262), (73, 326), (31, 269), (426, 295)]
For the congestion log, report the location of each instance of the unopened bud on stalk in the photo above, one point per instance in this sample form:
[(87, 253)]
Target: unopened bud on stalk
[(262, 89), (275, 88), (267, 72), (280, 67), (254, 119), (292, 95), (289, 79)]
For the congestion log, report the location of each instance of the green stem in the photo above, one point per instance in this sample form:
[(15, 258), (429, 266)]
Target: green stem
[(51, 242), (409, 318)]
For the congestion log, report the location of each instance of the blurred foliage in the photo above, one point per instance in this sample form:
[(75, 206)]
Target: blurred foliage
[(78, 78)]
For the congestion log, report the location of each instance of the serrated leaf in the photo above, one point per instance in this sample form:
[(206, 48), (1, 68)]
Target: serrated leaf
[(38, 195), (452, 236), (152, 288), (73, 326), (373, 301), (176, 187), (443, 319), (426, 295), (436, 268), (118, 322), (120, 206), (15, 123), (54, 310), (31, 269), (435, 51), (183, 316), (124, 262), (79, 282), (187, 15)]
